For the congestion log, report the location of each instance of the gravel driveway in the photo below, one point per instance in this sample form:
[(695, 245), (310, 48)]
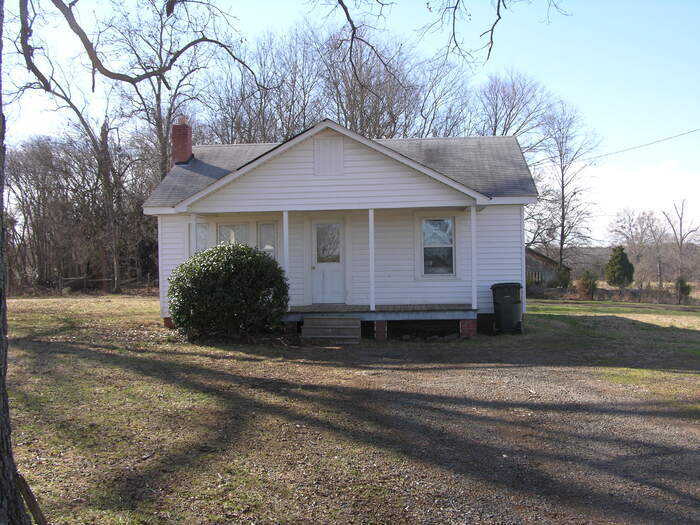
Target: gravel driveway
[(523, 442)]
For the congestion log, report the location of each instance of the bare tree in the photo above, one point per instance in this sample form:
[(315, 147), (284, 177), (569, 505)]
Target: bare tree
[(684, 232), (11, 507), (633, 230), (444, 17), (516, 105), (12, 510), (659, 236), (566, 148), (147, 37)]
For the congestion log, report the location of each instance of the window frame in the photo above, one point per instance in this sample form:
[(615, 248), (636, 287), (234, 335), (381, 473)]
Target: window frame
[(420, 274)]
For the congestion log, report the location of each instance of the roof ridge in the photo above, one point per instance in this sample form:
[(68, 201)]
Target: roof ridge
[(452, 138), (489, 137), (237, 144)]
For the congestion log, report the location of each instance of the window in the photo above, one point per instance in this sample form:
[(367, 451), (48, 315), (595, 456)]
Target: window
[(267, 238), (202, 237), (438, 246), (230, 233)]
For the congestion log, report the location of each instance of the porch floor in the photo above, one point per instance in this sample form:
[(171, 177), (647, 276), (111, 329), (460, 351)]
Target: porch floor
[(384, 312)]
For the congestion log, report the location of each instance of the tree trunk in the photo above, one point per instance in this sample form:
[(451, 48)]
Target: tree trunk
[(104, 167), (562, 237), (12, 509)]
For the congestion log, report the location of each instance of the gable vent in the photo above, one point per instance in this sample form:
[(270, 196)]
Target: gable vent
[(328, 156)]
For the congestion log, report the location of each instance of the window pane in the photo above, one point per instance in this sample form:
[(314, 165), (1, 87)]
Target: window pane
[(267, 238), (233, 233), (438, 261), (328, 243), (437, 232), (202, 239)]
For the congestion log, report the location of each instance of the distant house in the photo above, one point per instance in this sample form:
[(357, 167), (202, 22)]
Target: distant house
[(539, 268), (378, 230)]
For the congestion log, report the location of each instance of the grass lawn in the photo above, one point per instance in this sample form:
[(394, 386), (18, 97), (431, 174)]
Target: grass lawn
[(591, 416)]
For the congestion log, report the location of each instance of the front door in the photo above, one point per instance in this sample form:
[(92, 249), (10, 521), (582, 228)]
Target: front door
[(327, 262)]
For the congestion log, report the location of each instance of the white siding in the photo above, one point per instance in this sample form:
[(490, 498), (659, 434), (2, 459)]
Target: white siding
[(499, 250), (173, 249), (367, 179), (396, 260), (499, 253)]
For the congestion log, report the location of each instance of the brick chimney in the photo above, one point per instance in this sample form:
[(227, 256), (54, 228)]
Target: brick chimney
[(181, 137)]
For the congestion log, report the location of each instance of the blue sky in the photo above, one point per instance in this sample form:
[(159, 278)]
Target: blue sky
[(632, 68)]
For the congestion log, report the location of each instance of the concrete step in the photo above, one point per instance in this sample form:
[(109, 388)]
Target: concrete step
[(322, 329)]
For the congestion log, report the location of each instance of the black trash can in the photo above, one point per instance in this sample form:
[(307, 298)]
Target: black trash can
[(508, 307)]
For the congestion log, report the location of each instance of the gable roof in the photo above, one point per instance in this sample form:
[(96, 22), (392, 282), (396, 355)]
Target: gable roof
[(480, 166)]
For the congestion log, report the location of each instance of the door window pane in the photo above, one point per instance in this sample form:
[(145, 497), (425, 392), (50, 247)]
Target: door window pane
[(328, 243), (267, 238), (230, 233)]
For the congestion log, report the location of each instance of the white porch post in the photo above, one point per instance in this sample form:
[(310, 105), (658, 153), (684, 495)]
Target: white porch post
[(370, 217), (285, 241), (193, 234), (475, 269)]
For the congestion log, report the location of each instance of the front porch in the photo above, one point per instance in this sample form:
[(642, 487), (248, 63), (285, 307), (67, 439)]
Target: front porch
[(380, 316), (384, 312), (376, 264)]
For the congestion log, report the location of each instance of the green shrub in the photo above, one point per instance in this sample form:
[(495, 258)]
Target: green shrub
[(619, 271), (587, 285), (227, 291), (683, 289)]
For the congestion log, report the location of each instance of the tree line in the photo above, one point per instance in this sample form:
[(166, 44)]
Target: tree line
[(662, 246), (74, 199)]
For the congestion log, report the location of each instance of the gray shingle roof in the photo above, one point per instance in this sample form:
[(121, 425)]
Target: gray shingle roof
[(493, 166)]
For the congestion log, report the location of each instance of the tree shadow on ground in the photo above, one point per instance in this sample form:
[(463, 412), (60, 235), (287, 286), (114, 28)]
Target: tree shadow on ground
[(549, 456), (550, 340)]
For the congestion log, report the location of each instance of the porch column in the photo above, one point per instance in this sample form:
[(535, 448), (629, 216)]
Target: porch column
[(285, 241), (193, 234), (370, 217), (475, 269)]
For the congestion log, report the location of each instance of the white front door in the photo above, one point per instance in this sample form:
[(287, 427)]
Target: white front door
[(327, 262)]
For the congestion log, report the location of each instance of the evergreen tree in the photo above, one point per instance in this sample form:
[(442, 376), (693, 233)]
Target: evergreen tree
[(619, 271)]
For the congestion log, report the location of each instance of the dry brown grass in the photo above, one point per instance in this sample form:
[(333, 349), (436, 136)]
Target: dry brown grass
[(117, 420)]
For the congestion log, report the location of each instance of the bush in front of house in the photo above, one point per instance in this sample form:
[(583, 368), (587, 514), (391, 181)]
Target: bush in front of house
[(230, 290), (587, 285)]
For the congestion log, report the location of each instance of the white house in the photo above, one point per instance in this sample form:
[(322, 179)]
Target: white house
[(379, 230)]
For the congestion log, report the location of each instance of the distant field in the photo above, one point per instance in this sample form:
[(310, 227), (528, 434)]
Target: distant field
[(590, 417)]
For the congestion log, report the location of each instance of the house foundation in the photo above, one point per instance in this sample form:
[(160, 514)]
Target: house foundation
[(380, 332), (467, 328)]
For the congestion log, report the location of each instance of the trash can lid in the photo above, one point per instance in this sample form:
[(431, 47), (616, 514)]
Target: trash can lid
[(498, 286)]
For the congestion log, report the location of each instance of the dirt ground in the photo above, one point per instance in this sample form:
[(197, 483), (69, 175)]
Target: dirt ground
[(590, 417)]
